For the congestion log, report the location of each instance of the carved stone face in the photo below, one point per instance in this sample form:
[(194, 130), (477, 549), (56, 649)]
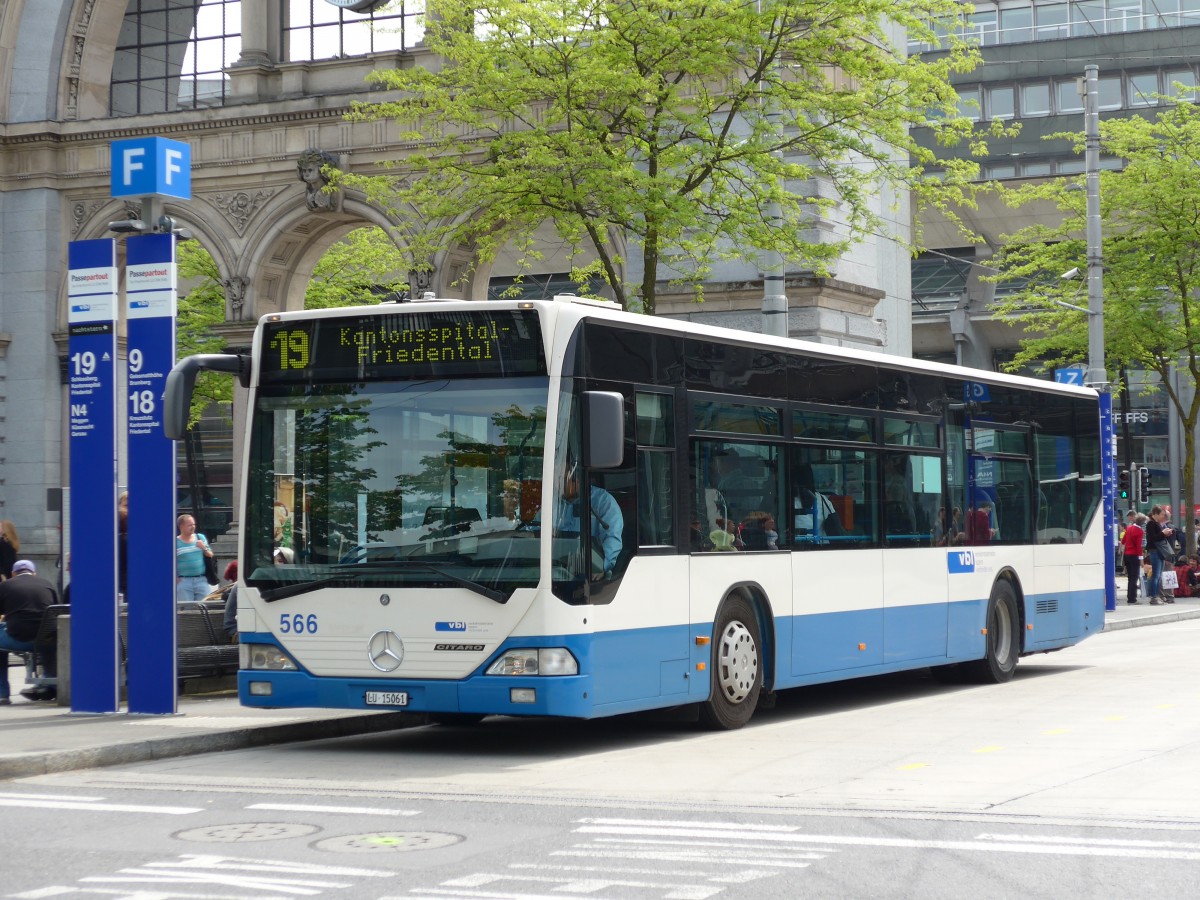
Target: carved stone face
[(310, 172)]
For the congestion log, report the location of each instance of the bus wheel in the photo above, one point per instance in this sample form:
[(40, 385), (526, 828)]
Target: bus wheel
[(1003, 639), (736, 667)]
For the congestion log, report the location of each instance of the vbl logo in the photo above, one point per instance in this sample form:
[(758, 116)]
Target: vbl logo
[(450, 626), (960, 561)]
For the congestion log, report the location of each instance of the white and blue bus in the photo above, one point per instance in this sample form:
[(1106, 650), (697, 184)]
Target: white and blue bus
[(558, 508)]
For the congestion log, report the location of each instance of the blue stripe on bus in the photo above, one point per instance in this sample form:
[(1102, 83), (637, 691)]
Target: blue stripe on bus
[(648, 668)]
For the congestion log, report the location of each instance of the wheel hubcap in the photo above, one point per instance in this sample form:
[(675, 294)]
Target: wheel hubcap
[(737, 662)]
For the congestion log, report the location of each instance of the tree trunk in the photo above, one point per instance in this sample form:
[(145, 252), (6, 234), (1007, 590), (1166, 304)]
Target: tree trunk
[(649, 269)]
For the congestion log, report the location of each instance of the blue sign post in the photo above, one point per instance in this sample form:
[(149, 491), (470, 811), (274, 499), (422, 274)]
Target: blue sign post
[(91, 362), (150, 294), (1108, 483)]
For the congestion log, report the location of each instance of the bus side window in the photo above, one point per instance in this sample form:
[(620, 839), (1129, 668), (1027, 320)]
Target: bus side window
[(655, 470)]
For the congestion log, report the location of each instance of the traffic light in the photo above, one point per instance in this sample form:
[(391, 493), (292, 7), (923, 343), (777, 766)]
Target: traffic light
[(1144, 485), (1123, 488)]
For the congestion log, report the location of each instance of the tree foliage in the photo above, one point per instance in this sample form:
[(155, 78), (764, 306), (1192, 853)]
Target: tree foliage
[(1150, 222), (362, 268), (201, 308), (667, 128)]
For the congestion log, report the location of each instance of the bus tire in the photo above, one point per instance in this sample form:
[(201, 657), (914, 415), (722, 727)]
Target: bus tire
[(1003, 639), (736, 667)]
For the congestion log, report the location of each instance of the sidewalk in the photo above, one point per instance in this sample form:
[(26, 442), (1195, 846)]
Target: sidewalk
[(1142, 613), (39, 738)]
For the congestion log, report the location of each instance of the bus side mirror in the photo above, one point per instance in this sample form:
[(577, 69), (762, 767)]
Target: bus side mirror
[(604, 416), (181, 381)]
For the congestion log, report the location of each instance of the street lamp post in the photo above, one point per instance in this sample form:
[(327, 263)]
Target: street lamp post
[(775, 301)]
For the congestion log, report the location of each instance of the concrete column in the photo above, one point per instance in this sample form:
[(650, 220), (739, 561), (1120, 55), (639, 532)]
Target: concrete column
[(31, 256), (257, 19)]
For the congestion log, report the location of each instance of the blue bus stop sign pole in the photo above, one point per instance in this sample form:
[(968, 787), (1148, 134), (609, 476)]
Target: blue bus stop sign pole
[(91, 366), (150, 295), (1108, 481)]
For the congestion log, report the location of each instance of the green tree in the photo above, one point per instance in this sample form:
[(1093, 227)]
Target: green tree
[(1150, 222), (360, 269), (202, 307), (667, 126)]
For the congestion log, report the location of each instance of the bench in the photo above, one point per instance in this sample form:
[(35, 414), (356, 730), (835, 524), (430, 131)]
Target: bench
[(38, 661), (203, 650)]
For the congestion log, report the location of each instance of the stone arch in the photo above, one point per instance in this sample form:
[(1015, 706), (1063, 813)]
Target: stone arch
[(287, 239), (485, 269), (92, 219), (87, 65)]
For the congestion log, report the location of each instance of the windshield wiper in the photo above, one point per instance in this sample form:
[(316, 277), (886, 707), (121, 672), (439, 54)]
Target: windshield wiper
[(348, 574), (341, 579), (400, 565)]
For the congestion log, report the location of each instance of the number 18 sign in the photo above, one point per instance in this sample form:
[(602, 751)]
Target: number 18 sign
[(150, 310)]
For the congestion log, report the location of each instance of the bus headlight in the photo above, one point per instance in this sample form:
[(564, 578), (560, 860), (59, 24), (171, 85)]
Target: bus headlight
[(535, 661), (264, 657)]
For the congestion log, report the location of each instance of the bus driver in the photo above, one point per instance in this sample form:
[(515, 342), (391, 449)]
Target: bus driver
[(607, 522)]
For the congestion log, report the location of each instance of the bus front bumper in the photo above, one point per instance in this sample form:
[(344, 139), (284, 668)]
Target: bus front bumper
[(481, 694)]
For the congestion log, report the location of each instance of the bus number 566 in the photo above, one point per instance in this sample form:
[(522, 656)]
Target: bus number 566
[(298, 623)]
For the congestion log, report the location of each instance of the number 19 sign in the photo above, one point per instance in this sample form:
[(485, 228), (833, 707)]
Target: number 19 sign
[(92, 352)]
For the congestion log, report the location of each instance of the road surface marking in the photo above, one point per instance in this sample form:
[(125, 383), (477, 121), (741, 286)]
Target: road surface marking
[(348, 810), (1060, 847), (586, 885), (100, 807), (745, 876)]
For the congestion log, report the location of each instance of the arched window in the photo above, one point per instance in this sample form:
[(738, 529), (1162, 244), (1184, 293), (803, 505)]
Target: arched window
[(171, 55), (319, 29)]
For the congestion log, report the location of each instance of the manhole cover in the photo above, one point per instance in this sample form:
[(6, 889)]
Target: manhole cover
[(396, 841), (246, 832)]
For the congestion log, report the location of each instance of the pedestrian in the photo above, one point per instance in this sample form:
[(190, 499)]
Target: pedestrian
[(191, 550), (229, 623), (10, 546), (1134, 547), (1193, 578), (1182, 571), (23, 599), (123, 547), (1160, 549)]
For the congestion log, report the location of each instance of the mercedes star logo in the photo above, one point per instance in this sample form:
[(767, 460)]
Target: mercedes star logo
[(385, 650)]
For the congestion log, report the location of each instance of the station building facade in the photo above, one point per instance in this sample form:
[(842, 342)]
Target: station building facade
[(259, 90), (1034, 53)]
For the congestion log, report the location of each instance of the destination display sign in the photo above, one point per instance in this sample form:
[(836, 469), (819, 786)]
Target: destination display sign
[(403, 345)]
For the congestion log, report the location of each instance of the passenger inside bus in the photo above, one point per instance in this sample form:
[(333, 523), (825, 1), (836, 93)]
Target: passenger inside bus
[(815, 515), (979, 524)]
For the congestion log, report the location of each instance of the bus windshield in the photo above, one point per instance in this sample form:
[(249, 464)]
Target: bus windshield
[(431, 483)]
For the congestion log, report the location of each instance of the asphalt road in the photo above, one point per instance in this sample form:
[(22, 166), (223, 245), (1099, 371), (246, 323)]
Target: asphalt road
[(1079, 779)]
